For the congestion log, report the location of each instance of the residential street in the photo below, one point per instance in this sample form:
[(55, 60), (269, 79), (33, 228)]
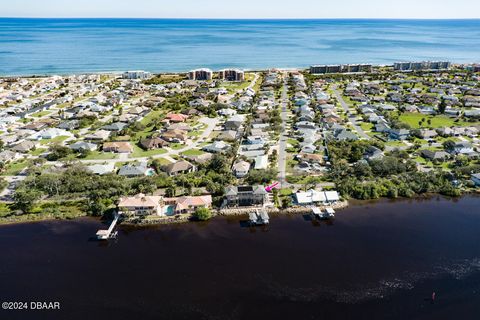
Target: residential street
[(352, 119), (282, 144)]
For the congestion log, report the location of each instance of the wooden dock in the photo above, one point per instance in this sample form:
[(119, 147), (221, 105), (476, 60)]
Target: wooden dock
[(109, 233)]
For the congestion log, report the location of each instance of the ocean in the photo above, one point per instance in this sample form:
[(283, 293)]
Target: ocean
[(65, 46)]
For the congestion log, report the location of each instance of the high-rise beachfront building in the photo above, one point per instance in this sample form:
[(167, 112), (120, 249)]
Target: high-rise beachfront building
[(201, 74), (421, 65), (139, 74), (232, 75), (341, 68)]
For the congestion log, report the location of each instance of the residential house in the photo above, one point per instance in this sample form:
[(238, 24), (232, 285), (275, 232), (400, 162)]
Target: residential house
[(135, 170), (476, 179), (118, 147), (153, 143), (217, 147), (24, 146), (434, 155), (227, 135), (83, 146), (399, 134), (240, 169), (102, 169), (176, 117), (189, 204), (116, 126), (8, 156), (179, 167), (142, 205), (176, 136), (100, 135), (241, 196)]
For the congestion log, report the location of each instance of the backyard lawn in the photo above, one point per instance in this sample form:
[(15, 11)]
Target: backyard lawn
[(193, 152), (97, 155), (439, 121), (140, 153)]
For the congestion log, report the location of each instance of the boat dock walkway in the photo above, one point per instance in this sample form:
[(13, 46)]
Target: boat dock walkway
[(109, 233)]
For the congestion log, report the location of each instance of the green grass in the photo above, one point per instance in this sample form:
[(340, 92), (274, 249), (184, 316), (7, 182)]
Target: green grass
[(176, 146), (47, 210), (286, 192), (40, 114), (163, 161), (193, 152), (140, 153), (439, 121), (366, 126), (293, 142), (395, 144), (97, 155), (15, 168), (38, 151), (154, 114), (58, 139)]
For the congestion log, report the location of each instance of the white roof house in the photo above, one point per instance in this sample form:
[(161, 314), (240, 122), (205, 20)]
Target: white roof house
[(314, 196)]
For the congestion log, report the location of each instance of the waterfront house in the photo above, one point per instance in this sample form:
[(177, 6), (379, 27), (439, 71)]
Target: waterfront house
[(189, 204), (240, 196), (142, 205), (316, 197)]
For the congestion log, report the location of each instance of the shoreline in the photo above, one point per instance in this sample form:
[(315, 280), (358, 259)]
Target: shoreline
[(185, 72), (233, 212)]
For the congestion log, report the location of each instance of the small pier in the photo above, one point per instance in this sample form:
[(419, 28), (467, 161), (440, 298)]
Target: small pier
[(259, 217), (109, 233)]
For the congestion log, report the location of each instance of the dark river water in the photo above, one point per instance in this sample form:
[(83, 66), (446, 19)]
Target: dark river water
[(378, 260)]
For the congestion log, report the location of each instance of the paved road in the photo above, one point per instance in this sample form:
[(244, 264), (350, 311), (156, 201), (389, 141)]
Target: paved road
[(352, 119), (282, 143)]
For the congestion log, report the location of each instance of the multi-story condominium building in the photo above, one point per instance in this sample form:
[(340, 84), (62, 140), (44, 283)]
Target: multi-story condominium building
[(201, 74), (341, 68), (232, 75), (422, 65), (140, 74)]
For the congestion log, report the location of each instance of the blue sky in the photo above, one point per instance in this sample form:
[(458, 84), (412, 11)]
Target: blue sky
[(428, 9)]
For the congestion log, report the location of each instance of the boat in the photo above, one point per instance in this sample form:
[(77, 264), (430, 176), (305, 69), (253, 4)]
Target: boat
[(328, 213), (259, 217)]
